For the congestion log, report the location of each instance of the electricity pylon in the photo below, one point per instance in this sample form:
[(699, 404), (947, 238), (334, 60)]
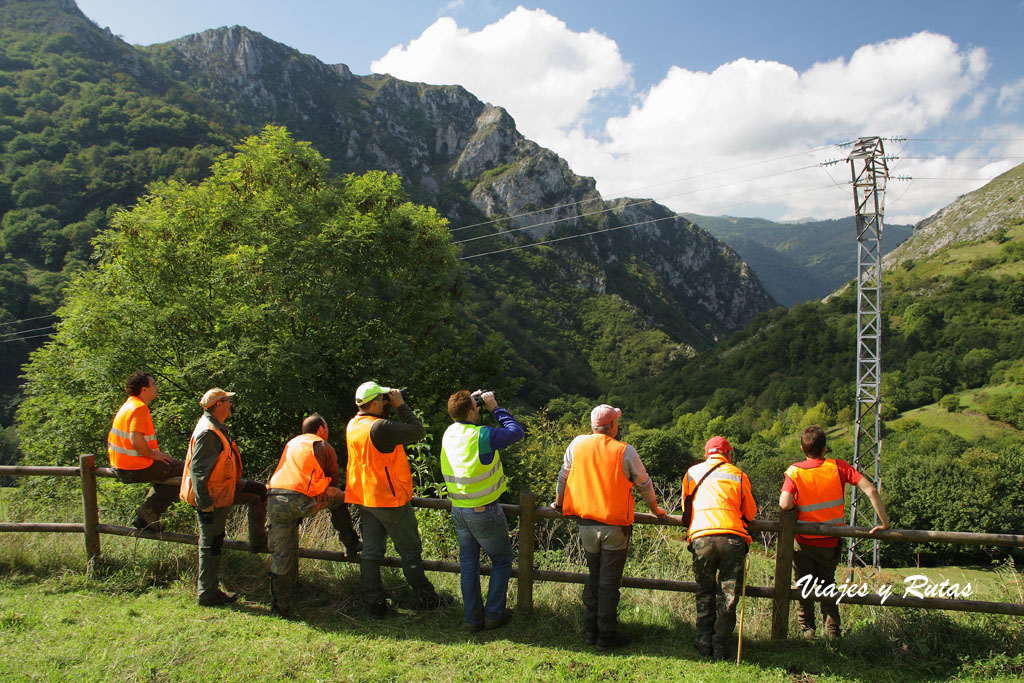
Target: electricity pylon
[(870, 172)]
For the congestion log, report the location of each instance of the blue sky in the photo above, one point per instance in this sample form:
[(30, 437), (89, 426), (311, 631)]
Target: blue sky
[(718, 108)]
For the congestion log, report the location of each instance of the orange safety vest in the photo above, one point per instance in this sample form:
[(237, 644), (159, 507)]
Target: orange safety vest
[(819, 494), (597, 489), (226, 473), (374, 479), (122, 452), (299, 470), (718, 504)]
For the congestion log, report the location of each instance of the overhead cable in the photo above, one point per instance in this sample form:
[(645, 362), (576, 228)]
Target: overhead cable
[(19, 332), (25, 320), (627, 193), (619, 208)]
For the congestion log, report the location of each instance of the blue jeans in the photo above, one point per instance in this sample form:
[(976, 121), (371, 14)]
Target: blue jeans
[(487, 530)]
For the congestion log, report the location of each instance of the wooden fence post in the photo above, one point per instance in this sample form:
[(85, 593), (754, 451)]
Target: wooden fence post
[(527, 522), (783, 573), (90, 510)]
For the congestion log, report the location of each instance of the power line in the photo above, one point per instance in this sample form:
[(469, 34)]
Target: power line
[(35, 336), (645, 201), (965, 139), (632, 225), (1000, 158), (626, 193), (569, 237), (25, 320), (12, 334)]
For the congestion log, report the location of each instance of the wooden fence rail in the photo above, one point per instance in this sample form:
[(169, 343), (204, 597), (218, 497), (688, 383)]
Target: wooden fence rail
[(782, 593)]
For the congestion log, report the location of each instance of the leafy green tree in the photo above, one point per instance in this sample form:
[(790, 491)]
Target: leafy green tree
[(665, 454), (269, 278)]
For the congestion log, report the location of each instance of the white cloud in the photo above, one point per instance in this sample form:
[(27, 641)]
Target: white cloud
[(529, 62), (1011, 96), (682, 133)]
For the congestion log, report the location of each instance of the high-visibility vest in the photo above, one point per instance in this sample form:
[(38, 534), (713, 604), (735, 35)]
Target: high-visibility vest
[(299, 470), (819, 494), (226, 473), (470, 482), (374, 479), (597, 489), (718, 503), (122, 452)]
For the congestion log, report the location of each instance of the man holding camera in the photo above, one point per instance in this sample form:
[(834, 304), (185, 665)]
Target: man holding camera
[(595, 485), (472, 471), (211, 483), (379, 481)]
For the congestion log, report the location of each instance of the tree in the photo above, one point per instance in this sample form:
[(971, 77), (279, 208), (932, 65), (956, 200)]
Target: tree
[(270, 279)]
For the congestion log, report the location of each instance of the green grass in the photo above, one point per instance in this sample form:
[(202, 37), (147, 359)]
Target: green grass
[(137, 620), (969, 424)]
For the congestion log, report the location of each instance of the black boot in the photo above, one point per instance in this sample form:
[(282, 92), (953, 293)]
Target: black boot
[(281, 594), (608, 635), (590, 598)]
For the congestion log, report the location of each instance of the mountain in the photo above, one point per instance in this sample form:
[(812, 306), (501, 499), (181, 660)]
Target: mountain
[(973, 216), (953, 317), (802, 261), (87, 121)]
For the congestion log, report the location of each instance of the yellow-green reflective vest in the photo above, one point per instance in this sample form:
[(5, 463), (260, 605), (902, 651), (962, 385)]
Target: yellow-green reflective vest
[(470, 483)]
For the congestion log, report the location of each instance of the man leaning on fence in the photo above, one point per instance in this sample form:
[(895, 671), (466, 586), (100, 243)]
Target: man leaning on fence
[(135, 455), (718, 494), (816, 486), (472, 471), (595, 485), (212, 483), (378, 480), (305, 482)]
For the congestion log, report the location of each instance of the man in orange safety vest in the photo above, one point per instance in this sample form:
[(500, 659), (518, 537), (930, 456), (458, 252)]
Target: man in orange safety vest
[(816, 487)]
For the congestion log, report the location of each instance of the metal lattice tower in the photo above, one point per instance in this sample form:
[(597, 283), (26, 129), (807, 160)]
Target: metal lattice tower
[(868, 165)]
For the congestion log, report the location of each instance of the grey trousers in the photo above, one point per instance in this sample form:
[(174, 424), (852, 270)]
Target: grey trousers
[(400, 524)]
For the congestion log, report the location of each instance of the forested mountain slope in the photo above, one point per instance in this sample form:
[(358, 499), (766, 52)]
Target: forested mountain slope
[(951, 317), (87, 121), (798, 262)]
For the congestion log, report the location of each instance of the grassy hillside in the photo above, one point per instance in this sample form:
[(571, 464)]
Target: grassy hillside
[(142, 610)]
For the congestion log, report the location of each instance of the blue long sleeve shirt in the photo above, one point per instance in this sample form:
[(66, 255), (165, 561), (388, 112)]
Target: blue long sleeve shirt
[(494, 438)]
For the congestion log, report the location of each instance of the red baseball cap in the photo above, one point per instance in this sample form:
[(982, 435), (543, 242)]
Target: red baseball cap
[(717, 445)]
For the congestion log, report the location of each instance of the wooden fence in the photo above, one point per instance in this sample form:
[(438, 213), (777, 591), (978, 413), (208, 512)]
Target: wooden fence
[(781, 593)]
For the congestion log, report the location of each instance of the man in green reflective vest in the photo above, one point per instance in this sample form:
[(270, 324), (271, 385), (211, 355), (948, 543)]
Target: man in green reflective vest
[(472, 472)]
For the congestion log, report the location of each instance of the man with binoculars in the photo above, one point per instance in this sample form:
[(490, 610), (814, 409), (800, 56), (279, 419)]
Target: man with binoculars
[(472, 472), (379, 481)]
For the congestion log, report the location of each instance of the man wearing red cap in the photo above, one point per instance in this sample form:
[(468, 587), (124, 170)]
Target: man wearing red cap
[(595, 485), (722, 505)]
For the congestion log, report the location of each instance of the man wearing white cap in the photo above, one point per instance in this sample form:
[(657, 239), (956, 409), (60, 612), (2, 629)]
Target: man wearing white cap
[(379, 481), (211, 483), (595, 485)]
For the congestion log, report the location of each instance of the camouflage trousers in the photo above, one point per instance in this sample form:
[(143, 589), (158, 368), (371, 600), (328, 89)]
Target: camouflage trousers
[(285, 511), (718, 568)]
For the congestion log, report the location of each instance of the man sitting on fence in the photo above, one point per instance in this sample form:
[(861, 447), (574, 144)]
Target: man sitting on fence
[(595, 485), (717, 496), (816, 487), (135, 455), (212, 483), (305, 482)]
